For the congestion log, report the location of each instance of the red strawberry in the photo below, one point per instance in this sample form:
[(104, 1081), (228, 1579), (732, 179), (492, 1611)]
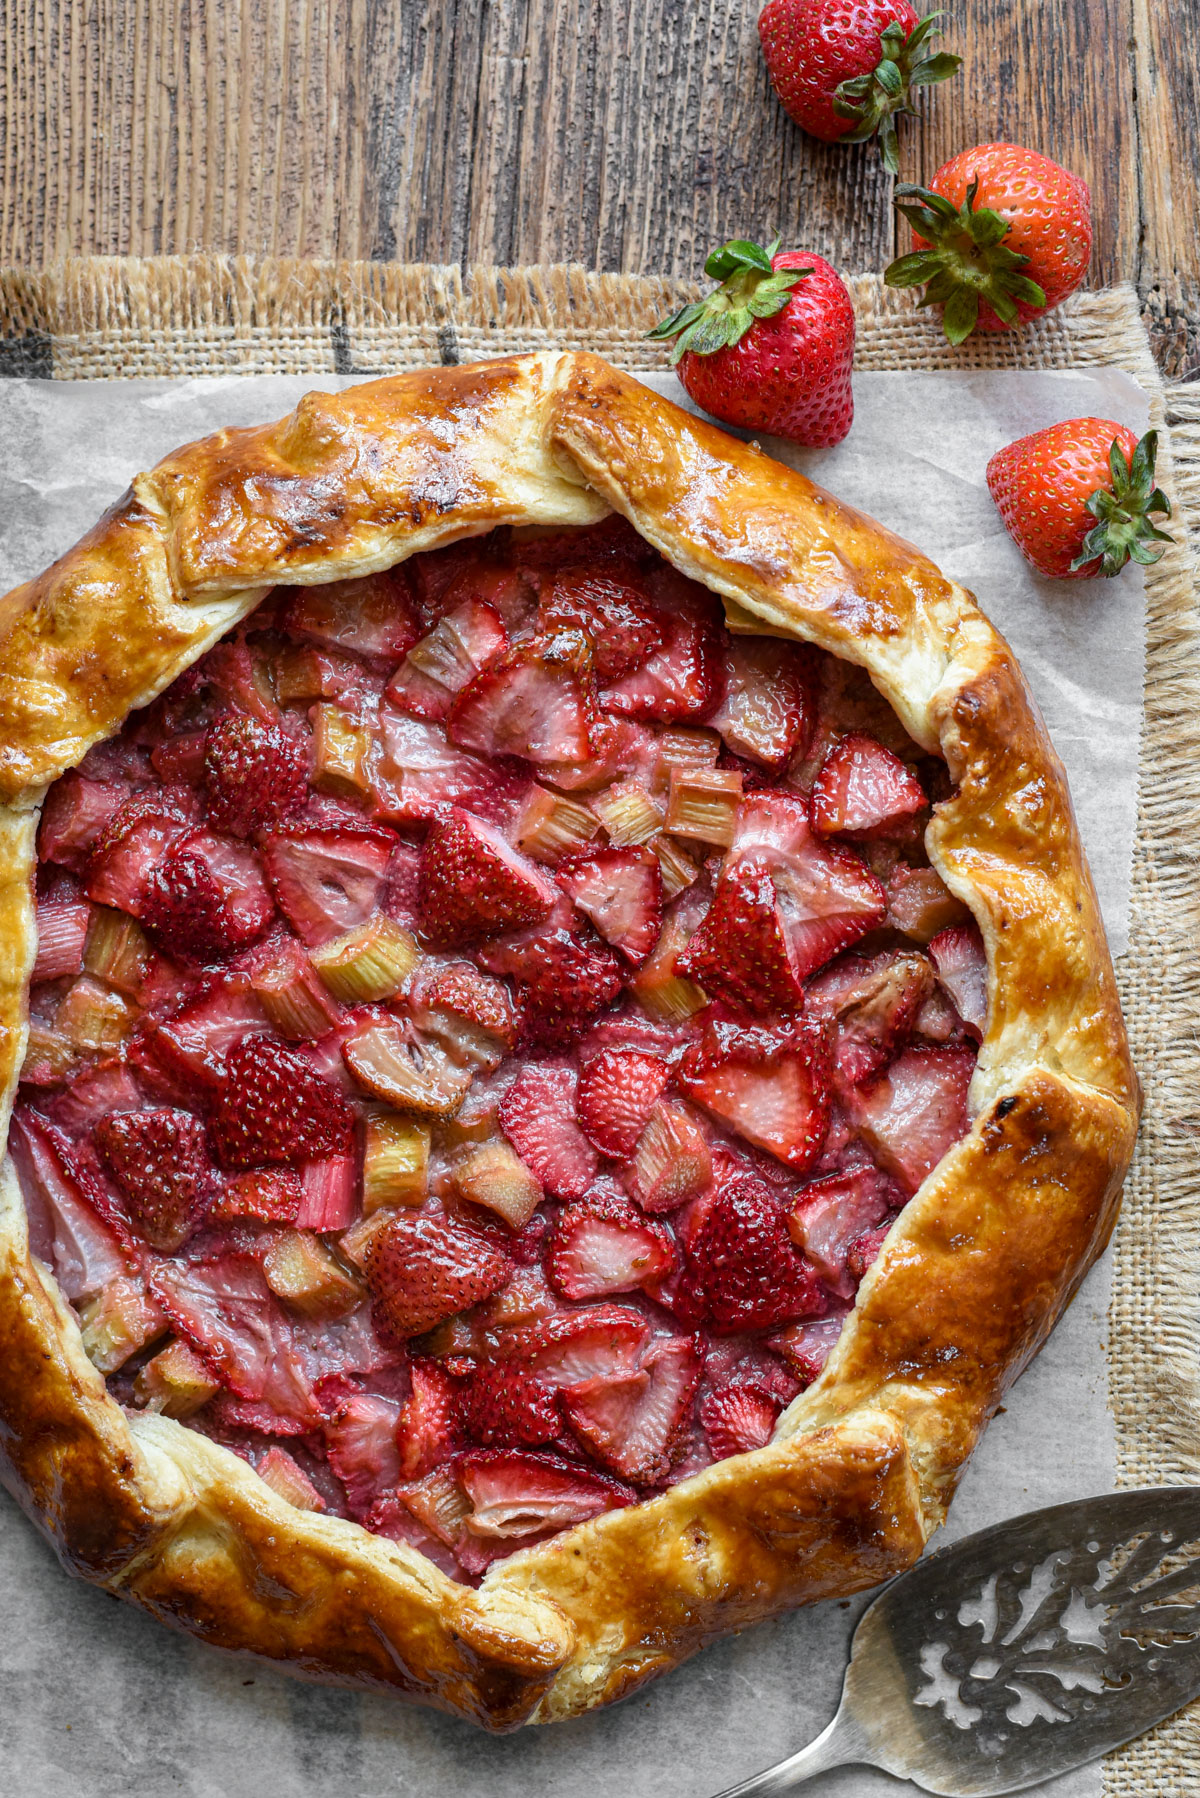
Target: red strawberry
[(74, 817), (737, 1419), (1001, 235), (679, 680), (844, 71), (361, 1442), (873, 1006), (326, 881), (272, 1108), (624, 629), (503, 1404), (422, 1268), (537, 1114), (603, 1244), (533, 702), (742, 1267), (864, 1250), (481, 1003), (807, 1346), (565, 979), (917, 1111), (132, 844), (771, 349), (420, 771), (863, 790), (617, 1092), (427, 1433), (440, 665), (373, 614), (515, 1495), (270, 1195), (740, 952), (593, 1342), (827, 1216), (1077, 498), (206, 900), (160, 1161), (473, 884), (768, 711), (769, 1083), (255, 774), (632, 1423), (620, 891), (961, 964)]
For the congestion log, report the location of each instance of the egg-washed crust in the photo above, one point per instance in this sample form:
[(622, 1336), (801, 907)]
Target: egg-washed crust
[(971, 1278)]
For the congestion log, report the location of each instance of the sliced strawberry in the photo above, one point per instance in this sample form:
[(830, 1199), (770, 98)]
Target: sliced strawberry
[(326, 881), (742, 1268), (64, 1230), (768, 710), (134, 842), (207, 899), (473, 883), (603, 1244), (737, 1420), (679, 680), (360, 1440), (373, 615), (75, 816), (537, 1114), (189, 1050), (863, 790), (827, 1216), (272, 1108), (437, 668), (864, 1250), (181, 758), (609, 606), (514, 1494), (422, 1267), (632, 1424), (269, 1195), (229, 1314), (873, 1006), (62, 928), (255, 774), (595, 1342), (740, 952), (920, 904), (238, 673), (106, 1086), (566, 973), (617, 747), (958, 955), (917, 1111), (534, 702), (617, 1092), (420, 771), (160, 1161), (505, 1405), (475, 1004), (807, 1346), (620, 891), (428, 1431), (769, 1083)]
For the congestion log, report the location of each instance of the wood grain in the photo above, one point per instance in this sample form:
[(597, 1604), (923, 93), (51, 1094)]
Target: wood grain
[(506, 131)]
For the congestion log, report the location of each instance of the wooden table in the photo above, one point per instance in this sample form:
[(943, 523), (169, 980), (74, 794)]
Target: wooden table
[(618, 134)]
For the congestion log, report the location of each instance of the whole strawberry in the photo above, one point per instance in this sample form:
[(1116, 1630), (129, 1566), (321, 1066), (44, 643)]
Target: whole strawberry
[(844, 68), (771, 348), (1000, 236), (1077, 498)]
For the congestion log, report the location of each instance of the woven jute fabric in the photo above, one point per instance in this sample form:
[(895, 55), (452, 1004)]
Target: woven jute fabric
[(203, 315)]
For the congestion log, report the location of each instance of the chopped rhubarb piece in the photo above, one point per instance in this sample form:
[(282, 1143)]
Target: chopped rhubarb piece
[(273, 1109), (675, 865), (106, 1086), (64, 1230), (473, 883), (659, 986), (298, 1003), (503, 1404), (920, 904), (534, 702), (326, 881), (288, 1480), (134, 842), (672, 1162), (437, 668), (958, 955), (420, 771), (117, 950), (176, 1382), (371, 962), (255, 775), (360, 1440), (390, 1062), (304, 672), (538, 1117), (737, 1420), (341, 748), (807, 1346), (121, 1319), (329, 1187), (75, 816), (422, 1268), (514, 1494), (624, 629), (864, 790), (427, 1434), (769, 1083), (826, 1217), (50, 1057), (493, 1176), (703, 803), (632, 1424), (229, 1314), (678, 681), (686, 747), (301, 1271), (620, 891), (873, 1006), (239, 674), (92, 1018), (550, 826), (590, 1343), (268, 1194), (395, 1161), (603, 1244), (373, 615), (618, 1089), (206, 899), (566, 977), (917, 1112), (628, 814), (62, 929), (160, 1161), (767, 714), (437, 1501), (742, 1268)]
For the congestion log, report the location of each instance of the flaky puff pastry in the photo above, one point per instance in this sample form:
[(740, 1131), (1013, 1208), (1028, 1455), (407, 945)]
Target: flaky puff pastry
[(972, 1276)]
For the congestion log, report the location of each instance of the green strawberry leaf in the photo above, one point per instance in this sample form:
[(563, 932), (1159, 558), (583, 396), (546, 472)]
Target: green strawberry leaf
[(750, 289), (735, 255), (1124, 531)]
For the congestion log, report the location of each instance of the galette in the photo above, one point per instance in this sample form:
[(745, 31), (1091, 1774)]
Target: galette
[(560, 1045)]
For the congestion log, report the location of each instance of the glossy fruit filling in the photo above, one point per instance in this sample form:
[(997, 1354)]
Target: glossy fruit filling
[(486, 1019)]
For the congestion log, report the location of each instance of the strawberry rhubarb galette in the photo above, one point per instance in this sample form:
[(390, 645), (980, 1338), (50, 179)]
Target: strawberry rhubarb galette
[(562, 1048)]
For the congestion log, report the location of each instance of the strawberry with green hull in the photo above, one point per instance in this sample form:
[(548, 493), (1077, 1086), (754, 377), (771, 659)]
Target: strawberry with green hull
[(1078, 499)]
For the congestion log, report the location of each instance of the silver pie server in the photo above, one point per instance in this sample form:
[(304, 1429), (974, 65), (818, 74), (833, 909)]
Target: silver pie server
[(1022, 1651)]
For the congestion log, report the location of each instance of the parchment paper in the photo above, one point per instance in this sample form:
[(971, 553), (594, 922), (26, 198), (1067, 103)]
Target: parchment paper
[(99, 1701)]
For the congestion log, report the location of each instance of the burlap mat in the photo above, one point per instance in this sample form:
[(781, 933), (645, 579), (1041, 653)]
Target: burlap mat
[(205, 315)]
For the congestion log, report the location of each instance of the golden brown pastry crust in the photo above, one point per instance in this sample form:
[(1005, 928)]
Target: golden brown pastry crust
[(971, 1278)]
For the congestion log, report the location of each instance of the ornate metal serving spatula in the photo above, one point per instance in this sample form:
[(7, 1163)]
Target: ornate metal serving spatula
[(1022, 1651)]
